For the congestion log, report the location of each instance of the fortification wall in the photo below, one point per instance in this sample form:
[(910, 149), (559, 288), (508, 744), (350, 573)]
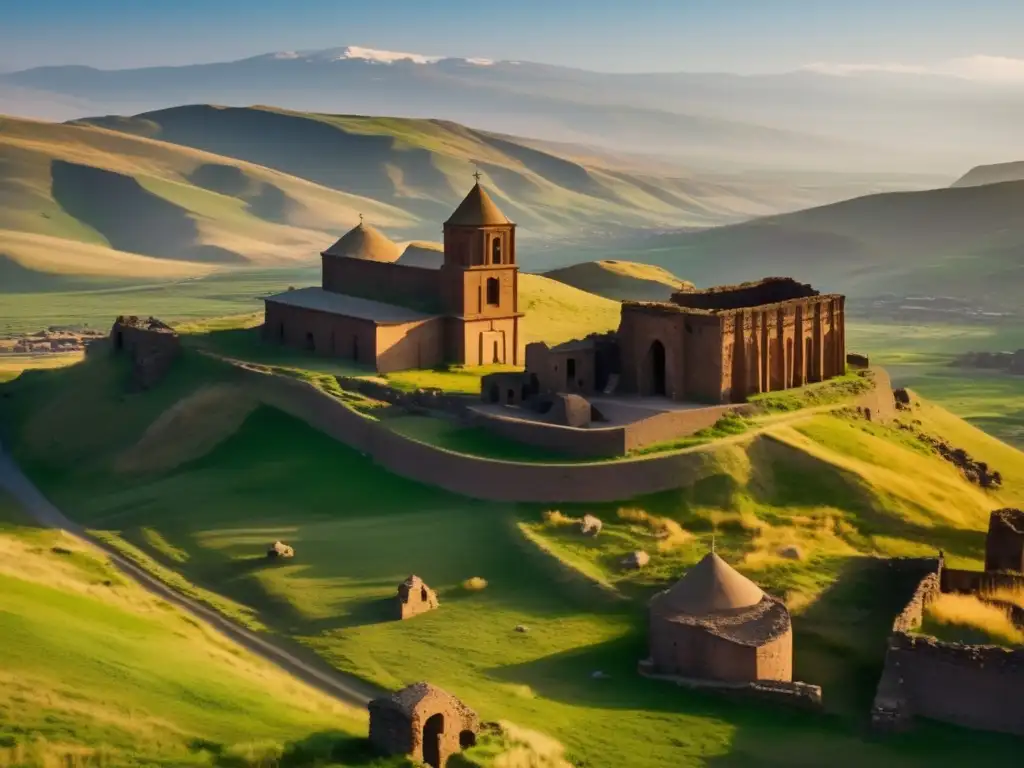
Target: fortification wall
[(473, 476), (415, 287), (967, 685), (791, 694)]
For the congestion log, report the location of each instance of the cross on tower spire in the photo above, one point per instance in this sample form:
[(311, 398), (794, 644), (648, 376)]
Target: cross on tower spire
[(712, 543), (476, 175), (360, 218)]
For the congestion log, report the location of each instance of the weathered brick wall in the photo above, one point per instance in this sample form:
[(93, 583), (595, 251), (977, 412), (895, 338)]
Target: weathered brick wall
[(1004, 544), (415, 287), (972, 582)]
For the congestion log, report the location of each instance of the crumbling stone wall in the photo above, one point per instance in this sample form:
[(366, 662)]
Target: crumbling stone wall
[(152, 345), (770, 290), (1004, 544), (967, 685), (792, 694)]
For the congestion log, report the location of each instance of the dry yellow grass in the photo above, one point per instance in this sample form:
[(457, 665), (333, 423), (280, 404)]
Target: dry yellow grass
[(970, 613), (57, 255), (528, 749), (12, 365), (1011, 595), (668, 532)]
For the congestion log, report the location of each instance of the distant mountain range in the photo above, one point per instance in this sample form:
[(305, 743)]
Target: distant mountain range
[(802, 120)]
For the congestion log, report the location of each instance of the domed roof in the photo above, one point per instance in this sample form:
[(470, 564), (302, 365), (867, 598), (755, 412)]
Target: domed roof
[(477, 210), (711, 586), (365, 242)]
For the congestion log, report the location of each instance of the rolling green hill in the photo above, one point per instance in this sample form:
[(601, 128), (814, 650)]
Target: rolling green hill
[(98, 672), (965, 242), (621, 280), (835, 487)]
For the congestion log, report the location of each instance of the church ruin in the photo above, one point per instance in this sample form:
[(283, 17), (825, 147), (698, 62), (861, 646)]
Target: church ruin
[(716, 624), (424, 723), (719, 345), (376, 308)]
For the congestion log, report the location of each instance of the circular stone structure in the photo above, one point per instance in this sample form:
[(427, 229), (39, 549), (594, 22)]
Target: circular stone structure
[(366, 243), (717, 624)]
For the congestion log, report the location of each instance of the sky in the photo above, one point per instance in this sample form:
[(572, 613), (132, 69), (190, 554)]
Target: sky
[(748, 36)]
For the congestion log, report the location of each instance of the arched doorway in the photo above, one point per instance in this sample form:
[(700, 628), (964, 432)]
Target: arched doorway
[(310, 342), (656, 367), (119, 340), (494, 395), (433, 731)]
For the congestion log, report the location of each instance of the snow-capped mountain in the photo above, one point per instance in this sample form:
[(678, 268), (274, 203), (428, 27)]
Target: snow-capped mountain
[(370, 55)]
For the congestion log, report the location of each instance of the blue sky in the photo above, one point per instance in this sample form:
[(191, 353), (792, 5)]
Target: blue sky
[(610, 35)]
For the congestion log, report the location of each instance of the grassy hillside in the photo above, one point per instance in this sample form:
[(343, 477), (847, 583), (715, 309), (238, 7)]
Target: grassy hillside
[(423, 166), (621, 280), (97, 672), (991, 174), (84, 201), (838, 489), (963, 242)]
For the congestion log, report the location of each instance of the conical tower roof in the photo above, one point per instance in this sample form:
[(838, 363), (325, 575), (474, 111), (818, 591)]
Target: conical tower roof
[(477, 210), (711, 586), (365, 242)]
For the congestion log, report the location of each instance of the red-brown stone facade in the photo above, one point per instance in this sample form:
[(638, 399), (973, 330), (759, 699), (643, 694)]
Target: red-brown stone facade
[(716, 346), (467, 312), (424, 723)]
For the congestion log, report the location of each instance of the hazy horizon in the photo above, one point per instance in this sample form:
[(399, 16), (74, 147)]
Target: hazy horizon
[(742, 37)]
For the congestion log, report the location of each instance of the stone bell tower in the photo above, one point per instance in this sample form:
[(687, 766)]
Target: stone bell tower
[(480, 283)]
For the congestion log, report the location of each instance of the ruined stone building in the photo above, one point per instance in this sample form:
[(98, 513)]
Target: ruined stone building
[(414, 597), (719, 345), (716, 624), (1004, 544), (378, 309), (151, 344), (424, 723)]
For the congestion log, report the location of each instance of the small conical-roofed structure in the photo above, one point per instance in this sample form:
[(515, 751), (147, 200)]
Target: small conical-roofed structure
[(477, 210), (715, 623), (367, 243), (709, 587)]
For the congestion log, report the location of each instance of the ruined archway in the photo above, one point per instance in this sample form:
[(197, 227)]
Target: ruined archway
[(433, 732), (656, 368)]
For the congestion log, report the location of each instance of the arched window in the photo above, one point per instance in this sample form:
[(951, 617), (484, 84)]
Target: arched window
[(493, 291), (496, 251)]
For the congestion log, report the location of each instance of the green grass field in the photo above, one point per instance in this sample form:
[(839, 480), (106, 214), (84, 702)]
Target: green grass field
[(837, 489), (919, 356), (97, 672)]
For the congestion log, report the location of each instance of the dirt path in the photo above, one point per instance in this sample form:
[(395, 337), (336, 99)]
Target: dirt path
[(345, 689)]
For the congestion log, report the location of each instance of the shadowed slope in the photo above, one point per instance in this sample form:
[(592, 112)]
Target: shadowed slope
[(621, 280)]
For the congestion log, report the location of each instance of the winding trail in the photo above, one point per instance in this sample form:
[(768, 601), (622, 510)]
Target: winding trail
[(344, 688)]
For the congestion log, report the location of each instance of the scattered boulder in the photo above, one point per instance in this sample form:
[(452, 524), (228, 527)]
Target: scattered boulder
[(60, 550), (522, 628), (590, 525), (599, 675), (636, 560), (280, 550), (902, 398), (791, 552), (570, 410)]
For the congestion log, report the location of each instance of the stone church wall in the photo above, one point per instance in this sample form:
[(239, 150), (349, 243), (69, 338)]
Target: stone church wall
[(418, 288), (771, 290)]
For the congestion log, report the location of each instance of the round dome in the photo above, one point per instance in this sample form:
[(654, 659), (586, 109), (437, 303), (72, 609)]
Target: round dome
[(365, 242), (711, 586)]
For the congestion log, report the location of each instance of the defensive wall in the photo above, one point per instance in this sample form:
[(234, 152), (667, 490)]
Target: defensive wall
[(966, 685), (474, 476), (598, 441)]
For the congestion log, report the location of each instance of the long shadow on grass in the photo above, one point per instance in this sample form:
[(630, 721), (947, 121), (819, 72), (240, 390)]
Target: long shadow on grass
[(322, 748)]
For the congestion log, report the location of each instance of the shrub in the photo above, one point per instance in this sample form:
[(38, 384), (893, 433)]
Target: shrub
[(475, 584)]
